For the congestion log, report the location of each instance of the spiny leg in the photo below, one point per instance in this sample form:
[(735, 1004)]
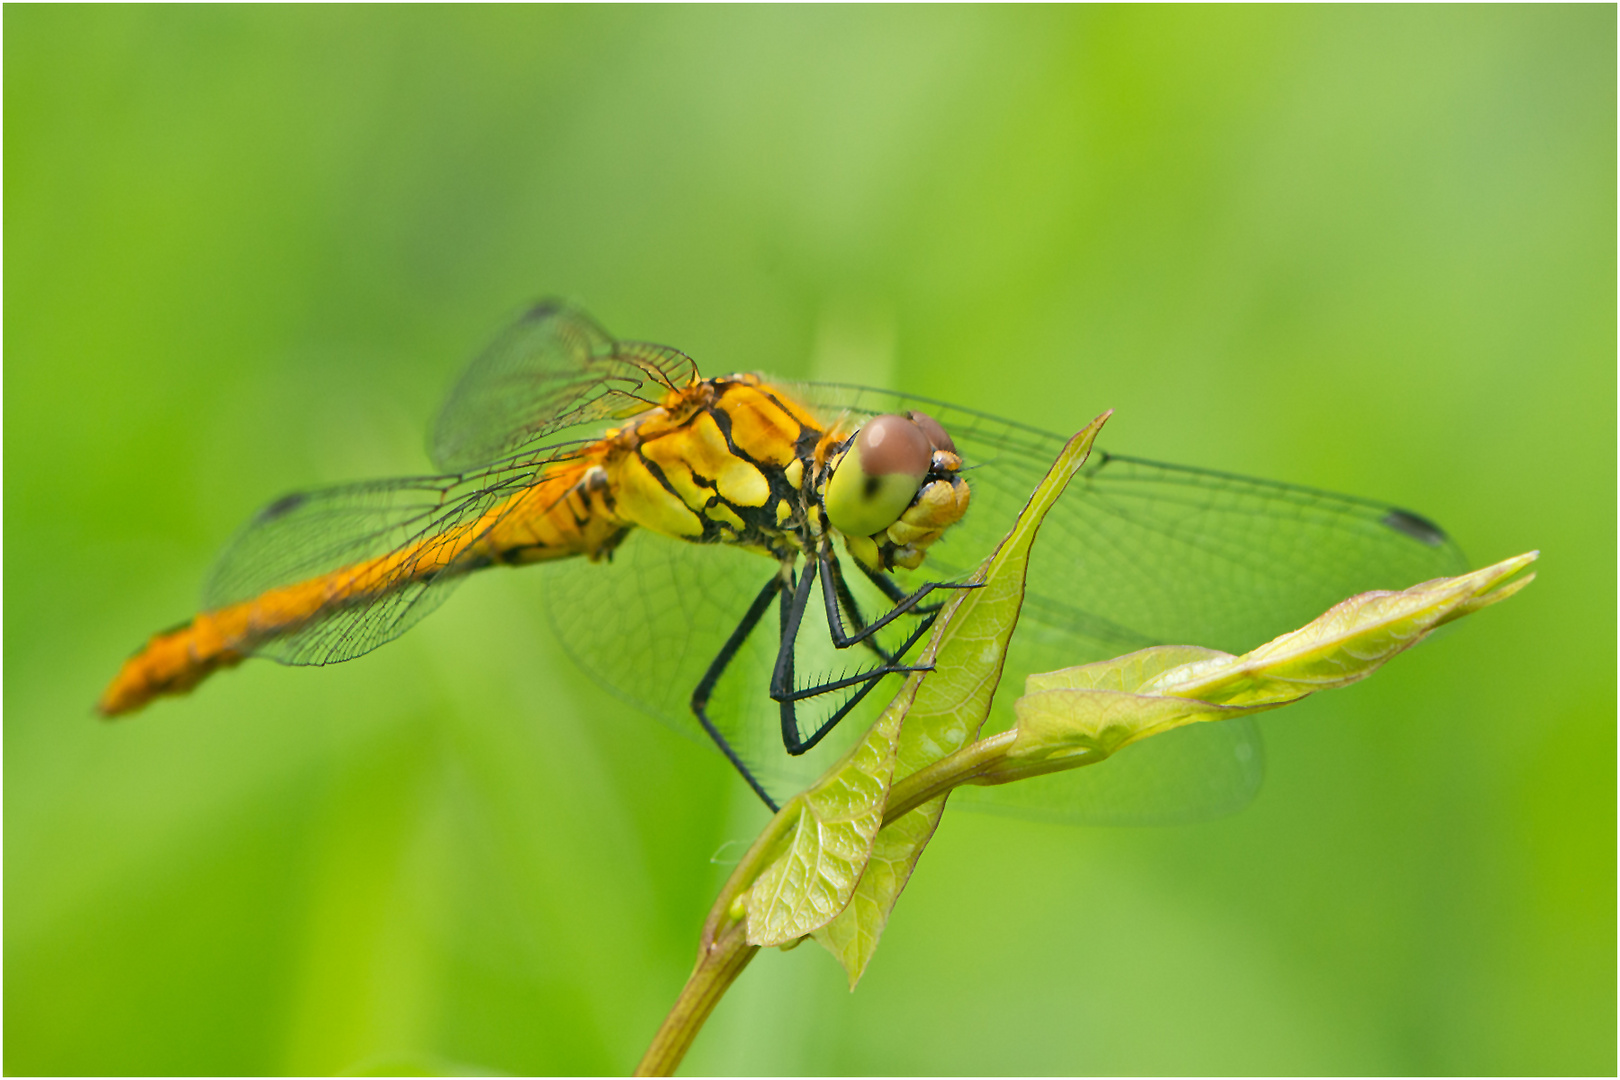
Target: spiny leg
[(834, 573), (728, 652), (867, 681), (896, 594), (891, 588), (904, 603), (860, 677), (792, 614), (792, 617)]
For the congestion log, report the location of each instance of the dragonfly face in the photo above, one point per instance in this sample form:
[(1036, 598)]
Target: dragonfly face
[(650, 493), (892, 489)]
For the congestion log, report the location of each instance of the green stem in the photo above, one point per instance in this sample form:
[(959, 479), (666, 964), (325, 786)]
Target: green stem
[(723, 951), (949, 771), (719, 965), (984, 763)]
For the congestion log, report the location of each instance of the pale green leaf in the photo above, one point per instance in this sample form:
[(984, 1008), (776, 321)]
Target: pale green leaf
[(1348, 642), (825, 837), (1092, 724), (951, 704), (1128, 673), (1081, 715)]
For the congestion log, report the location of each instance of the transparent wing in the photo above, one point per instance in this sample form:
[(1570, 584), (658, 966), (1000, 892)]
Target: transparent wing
[(1139, 553), (552, 370), (648, 626), (406, 543)]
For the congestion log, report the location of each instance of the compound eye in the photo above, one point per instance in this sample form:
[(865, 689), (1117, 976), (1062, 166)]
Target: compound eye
[(878, 476), (938, 437)]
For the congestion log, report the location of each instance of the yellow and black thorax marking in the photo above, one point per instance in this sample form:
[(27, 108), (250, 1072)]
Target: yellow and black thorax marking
[(720, 461)]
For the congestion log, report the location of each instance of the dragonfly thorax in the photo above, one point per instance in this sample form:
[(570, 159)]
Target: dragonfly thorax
[(734, 460)]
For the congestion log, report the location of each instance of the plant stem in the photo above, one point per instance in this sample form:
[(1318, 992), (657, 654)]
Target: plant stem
[(725, 948), (984, 763), (719, 965), (944, 774)]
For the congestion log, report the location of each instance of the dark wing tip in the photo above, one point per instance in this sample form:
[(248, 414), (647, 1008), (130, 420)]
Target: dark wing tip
[(547, 306), (1416, 526), (282, 506)]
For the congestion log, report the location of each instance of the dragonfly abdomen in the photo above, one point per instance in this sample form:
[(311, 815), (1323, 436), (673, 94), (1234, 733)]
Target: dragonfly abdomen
[(175, 661), (567, 512)]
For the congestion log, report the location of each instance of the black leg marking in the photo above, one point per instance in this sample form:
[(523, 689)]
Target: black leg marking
[(792, 594), (834, 574), (894, 592), (904, 603), (890, 587), (792, 617), (870, 679), (728, 652), (788, 694), (792, 614), (835, 597)]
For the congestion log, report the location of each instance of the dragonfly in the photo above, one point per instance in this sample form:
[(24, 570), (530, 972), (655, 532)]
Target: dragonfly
[(674, 512)]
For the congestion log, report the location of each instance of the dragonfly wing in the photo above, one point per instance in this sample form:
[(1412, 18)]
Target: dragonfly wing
[(1190, 774), (1139, 553), (401, 527), (552, 370)]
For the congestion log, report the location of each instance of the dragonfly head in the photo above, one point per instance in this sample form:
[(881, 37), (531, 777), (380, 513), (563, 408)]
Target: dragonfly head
[(893, 489)]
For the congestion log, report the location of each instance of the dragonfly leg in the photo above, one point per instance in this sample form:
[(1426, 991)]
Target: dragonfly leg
[(792, 614), (904, 603), (894, 592), (728, 651), (866, 680), (843, 600), (786, 693), (792, 606)]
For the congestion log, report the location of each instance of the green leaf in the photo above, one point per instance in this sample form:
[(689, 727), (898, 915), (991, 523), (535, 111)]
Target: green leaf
[(1056, 725), (825, 836), (1346, 643), (950, 706), (1127, 673), (1081, 715), (1093, 710)]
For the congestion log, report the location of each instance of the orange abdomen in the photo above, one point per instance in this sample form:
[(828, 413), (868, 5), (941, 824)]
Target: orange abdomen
[(562, 515)]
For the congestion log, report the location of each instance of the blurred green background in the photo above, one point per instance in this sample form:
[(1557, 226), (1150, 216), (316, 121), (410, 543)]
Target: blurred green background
[(1365, 249)]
